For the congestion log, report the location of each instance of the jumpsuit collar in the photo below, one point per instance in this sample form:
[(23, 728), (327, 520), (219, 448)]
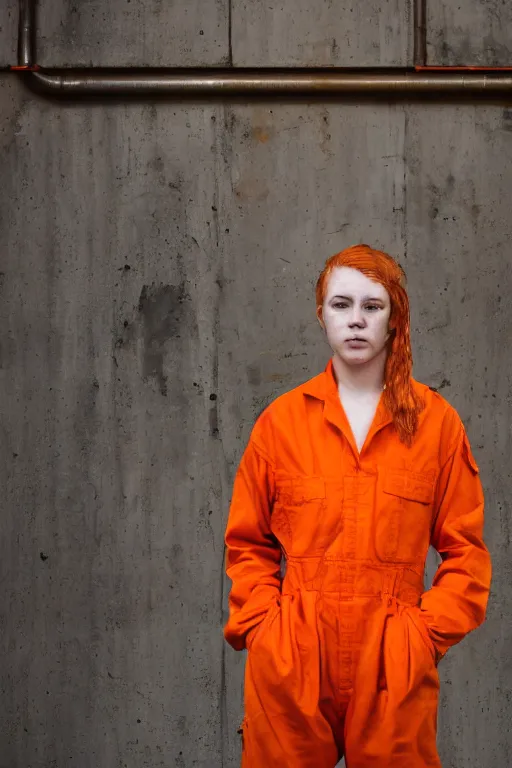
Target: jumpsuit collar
[(324, 387)]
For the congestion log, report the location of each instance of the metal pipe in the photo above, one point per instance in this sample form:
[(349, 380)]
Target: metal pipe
[(141, 83), (420, 33), (308, 82), (25, 33)]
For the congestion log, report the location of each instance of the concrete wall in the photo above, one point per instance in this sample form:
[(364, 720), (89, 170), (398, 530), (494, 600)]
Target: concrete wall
[(211, 33), (158, 264), (123, 33), (8, 33), (322, 33), (470, 32)]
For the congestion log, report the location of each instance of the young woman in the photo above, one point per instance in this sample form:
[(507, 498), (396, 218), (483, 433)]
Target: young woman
[(350, 477)]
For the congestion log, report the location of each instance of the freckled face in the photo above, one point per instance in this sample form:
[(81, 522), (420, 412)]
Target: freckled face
[(355, 316)]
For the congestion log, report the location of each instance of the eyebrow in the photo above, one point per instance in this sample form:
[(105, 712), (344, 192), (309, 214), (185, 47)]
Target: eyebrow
[(365, 298)]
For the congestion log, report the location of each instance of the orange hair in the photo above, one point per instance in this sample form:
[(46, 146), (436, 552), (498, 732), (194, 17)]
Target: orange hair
[(400, 398)]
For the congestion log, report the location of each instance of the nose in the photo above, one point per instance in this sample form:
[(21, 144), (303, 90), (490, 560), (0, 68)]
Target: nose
[(356, 319)]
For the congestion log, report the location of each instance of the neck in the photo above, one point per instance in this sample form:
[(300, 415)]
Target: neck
[(363, 379)]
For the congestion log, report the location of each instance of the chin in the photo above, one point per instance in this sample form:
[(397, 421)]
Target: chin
[(355, 359)]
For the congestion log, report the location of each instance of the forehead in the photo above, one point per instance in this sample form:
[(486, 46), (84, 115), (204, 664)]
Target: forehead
[(345, 281)]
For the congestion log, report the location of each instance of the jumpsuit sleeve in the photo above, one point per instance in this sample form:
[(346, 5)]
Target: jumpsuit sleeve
[(253, 555), (457, 601)]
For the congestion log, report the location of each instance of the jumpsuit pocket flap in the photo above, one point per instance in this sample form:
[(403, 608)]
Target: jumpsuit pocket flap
[(300, 489), (409, 485)]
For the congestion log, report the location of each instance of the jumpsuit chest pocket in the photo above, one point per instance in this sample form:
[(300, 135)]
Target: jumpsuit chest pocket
[(298, 515), (403, 516)]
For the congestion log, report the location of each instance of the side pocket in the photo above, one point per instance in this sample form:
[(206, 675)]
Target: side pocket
[(423, 632), (382, 680), (259, 630), (410, 664)]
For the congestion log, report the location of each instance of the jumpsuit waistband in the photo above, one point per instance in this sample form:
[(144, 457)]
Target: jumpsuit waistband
[(352, 579)]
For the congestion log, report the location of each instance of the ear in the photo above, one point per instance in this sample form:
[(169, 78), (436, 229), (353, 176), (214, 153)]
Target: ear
[(391, 333), (319, 316)]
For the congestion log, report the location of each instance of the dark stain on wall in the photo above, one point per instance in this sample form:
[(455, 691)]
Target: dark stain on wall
[(254, 375), (507, 120), (164, 310)]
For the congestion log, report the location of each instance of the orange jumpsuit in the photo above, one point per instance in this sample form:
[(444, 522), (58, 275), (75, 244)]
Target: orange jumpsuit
[(343, 649)]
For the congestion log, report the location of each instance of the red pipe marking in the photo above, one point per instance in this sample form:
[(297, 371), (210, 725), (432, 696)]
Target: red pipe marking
[(431, 68), (24, 67)]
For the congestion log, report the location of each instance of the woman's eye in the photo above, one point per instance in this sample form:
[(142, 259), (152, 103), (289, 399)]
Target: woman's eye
[(341, 305), (372, 307)]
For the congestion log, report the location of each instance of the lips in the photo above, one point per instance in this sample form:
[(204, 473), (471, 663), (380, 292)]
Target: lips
[(356, 344)]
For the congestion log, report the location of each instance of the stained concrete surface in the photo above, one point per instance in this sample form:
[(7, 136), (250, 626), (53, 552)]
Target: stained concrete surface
[(470, 33), (117, 33), (123, 33), (158, 265), (8, 32), (205, 33), (322, 33)]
